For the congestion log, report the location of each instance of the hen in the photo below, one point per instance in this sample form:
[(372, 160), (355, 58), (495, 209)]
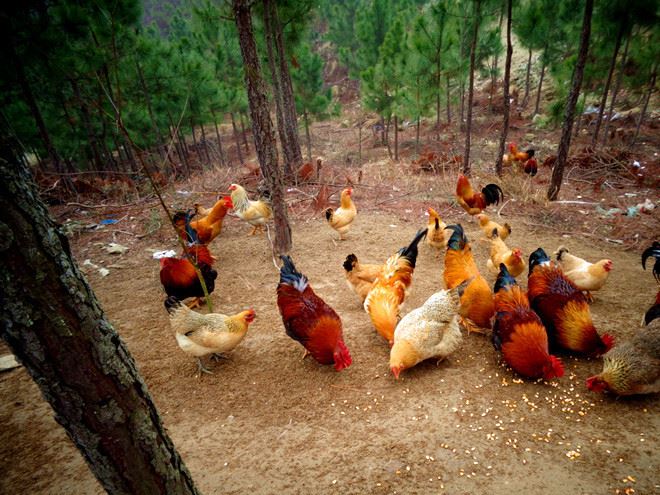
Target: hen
[(473, 202), (430, 331), (437, 236), (360, 277), (586, 276), (500, 253), (487, 226), (632, 367), (203, 334), (518, 332), (385, 298), (180, 279), (309, 320), (210, 225), (256, 213), (342, 218), (563, 308), (477, 306), (653, 250)]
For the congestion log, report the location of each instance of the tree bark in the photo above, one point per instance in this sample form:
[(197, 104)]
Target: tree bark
[(527, 79), (646, 104), (448, 101), (507, 102), (237, 139), (223, 162), (473, 50), (493, 77), (204, 144), (606, 90), (540, 87), (150, 110), (308, 137), (55, 326), (617, 86), (569, 115), (396, 138), (262, 127)]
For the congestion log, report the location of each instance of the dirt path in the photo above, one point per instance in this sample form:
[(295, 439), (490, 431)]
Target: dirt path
[(267, 422)]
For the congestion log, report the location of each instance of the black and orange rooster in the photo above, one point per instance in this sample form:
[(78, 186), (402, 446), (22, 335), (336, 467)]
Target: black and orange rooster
[(531, 167), (180, 279), (563, 308), (474, 203), (518, 332), (309, 320), (210, 225), (653, 250), (477, 305)]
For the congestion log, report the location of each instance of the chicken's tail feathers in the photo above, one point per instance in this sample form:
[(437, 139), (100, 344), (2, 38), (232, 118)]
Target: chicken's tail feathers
[(384, 316), (494, 234), (437, 223), (653, 250), (530, 152), (507, 227), (560, 252), (556, 368), (537, 258), (172, 304), (328, 214), (350, 262), (410, 252), (290, 276), (652, 314), (504, 279), (608, 342), (458, 240), (493, 194)]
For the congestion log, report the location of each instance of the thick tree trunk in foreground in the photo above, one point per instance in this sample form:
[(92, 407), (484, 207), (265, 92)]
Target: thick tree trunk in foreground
[(507, 78), (53, 323), (468, 128), (569, 115), (262, 127)]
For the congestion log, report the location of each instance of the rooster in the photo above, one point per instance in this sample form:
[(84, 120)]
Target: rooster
[(430, 331), (203, 334), (342, 218), (487, 225), (500, 253), (460, 270), (586, 276), (653, 250), (530, 167), (179, 277), (256, 213), (388, 292), (309, 320), (437, 236), (359, 276), (475, 203), (632, 367), (517, 156), (210, 225), (563, 308), (518, 332)]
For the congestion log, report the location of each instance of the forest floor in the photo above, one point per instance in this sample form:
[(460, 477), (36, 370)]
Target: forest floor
[(268, 422)]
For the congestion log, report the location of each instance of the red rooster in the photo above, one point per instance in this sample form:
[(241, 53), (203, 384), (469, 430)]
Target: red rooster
[(309, 320), (531, 167), (518, 332), (473, 202), (179, 277), (563, 308)]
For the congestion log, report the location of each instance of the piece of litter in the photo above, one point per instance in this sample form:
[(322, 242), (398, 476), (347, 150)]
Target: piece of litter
[(89, 263), (393, 226), (170, 253), (104, 272), (108, 221), (8, 362), (182, 192), (114, 248)]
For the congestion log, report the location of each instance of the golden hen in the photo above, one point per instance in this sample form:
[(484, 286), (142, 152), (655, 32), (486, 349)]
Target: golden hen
[(342, 218), (500, 253), (586, 276), (256, 213), (360, 276)]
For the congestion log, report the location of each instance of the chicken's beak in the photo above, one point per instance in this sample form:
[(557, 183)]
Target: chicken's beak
[(396, 371)]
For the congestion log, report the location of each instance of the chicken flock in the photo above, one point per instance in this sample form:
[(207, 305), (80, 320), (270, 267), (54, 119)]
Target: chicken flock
[(528, 328)]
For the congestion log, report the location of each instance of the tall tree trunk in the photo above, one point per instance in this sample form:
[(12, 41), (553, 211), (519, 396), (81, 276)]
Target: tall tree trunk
[(204, 144), (387, 136), (307, 137), (194, 138), (437, 103), (507, 78), (262, 127), (493, 74), (473, 50), (540, 86), (223, 162), (58, 331), (448, 101), (87, 123), (290, 115), (527, 79), (396, 138), (569, 115), (646, 104), (617, 86), (244, 134), (147, 99), (237, 139), (360, 144), (417, 136), (606, 90)]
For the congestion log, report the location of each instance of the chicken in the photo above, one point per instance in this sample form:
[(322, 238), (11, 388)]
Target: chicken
[(437, 236), (586, 276), (477, 306), (360, 277), (530, 167), (309, 320), (653, 250), (384, 300), (181, 221), (632, 367), (256, 213), (519, 156), (500, 253), (305, 172), (210, 225), (202, 334), (487, 226), (518, 332), (180, 279), (475, 203), (563, 308), (430, 331), (342, 218)]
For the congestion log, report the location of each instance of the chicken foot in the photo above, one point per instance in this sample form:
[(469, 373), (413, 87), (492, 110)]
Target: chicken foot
[(470, 326), (201, 369)]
